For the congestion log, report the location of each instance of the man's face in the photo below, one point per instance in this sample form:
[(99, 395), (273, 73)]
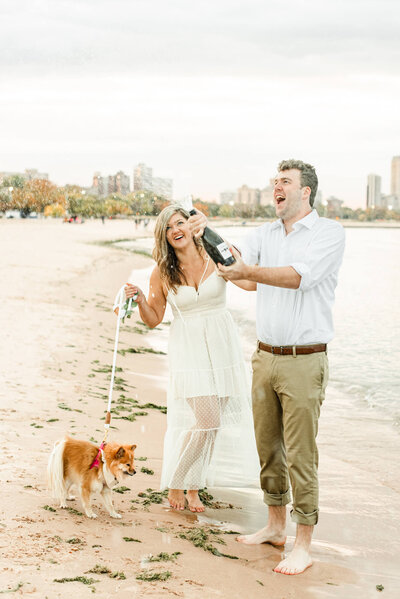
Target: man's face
[(288, 194)]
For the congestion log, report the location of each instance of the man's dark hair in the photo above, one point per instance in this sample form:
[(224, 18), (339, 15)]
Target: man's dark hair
[(308, 176)]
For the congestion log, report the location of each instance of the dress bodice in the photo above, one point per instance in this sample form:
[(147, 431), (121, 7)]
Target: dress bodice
[(210, 296)]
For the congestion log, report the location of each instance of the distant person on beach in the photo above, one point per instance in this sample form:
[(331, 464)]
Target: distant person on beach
[(210, 438), (295, 262)]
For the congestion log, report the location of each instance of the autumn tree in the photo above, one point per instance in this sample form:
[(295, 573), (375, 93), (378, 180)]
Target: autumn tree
[(35, 195)]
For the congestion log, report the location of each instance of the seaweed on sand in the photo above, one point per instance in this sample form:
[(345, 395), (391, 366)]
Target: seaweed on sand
[(152, 576), (200, 537)]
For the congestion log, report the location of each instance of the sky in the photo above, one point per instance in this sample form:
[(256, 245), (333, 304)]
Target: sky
[(213, 94)]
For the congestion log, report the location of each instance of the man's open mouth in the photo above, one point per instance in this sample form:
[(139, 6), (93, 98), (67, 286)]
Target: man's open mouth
[(279, 199)]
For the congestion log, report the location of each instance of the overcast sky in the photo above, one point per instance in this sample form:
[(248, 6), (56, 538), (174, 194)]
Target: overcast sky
[(213, 94)]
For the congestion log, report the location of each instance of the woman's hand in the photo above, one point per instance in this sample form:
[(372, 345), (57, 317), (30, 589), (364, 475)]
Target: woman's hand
[(132, 291)]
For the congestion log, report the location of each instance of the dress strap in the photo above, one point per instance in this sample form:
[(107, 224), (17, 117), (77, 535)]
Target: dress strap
[(203, 275)]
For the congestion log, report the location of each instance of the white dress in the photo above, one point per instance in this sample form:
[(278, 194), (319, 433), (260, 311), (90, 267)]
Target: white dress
[(210, 435)]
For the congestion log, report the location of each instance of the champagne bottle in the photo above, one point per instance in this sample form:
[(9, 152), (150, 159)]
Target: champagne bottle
[(215, 246)]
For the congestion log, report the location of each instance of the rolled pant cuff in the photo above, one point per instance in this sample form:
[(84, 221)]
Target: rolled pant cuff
[(277, 498), (300, 518)]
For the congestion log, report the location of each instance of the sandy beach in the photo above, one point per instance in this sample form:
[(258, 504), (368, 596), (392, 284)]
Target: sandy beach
[(58, 283)]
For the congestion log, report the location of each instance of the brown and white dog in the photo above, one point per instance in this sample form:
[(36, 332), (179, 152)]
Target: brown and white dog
[(91, 469)]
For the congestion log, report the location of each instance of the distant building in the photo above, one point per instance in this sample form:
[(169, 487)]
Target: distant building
[(333, 207), (374, 195), (228, 197), (391, 202), (267, 194), (142, 178), (105, 186), (248, 195), (395, 177), (100, 185), (121, 183), (28, 175), (162, 187)]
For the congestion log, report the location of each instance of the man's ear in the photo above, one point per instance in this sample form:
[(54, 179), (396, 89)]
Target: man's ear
[(307, 193), (120, 453)]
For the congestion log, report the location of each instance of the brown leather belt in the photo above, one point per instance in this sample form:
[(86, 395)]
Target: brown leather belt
[(292, 350)]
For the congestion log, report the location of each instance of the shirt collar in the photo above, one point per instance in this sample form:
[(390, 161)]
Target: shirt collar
[(307, 221)]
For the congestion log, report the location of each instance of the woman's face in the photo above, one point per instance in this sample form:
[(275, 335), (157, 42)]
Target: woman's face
[(178, 232)]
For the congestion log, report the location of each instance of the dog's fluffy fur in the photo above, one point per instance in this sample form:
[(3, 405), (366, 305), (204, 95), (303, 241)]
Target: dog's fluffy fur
[(70, 462)]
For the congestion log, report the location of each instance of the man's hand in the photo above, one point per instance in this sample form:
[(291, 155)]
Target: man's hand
[(197, 224), (236, 271)]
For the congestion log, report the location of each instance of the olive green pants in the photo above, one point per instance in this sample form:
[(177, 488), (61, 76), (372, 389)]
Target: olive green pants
[(287, 393)]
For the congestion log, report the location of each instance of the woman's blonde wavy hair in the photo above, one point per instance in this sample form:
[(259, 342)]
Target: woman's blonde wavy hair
[(164, 254)]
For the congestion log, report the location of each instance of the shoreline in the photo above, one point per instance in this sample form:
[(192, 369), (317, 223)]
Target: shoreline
[(59, 332)]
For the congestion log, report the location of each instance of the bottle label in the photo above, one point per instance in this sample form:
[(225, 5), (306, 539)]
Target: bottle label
[(224, 250)]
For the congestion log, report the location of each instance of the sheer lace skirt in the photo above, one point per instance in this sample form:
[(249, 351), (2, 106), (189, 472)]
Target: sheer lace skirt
[(210, 436)]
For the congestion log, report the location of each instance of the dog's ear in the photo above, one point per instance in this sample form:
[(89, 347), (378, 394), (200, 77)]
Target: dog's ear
[(120, 453), (133, 447)]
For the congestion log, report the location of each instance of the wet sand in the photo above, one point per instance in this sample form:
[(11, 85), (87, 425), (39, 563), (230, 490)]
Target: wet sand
[(57, 331)]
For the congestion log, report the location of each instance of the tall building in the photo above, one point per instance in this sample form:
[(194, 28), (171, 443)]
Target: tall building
[(267, 194), (105, 186), (142, 178), (162, 187), (228, 197), (248, 195), (374, 195), (395, 178), (121, 183), (99, 185)]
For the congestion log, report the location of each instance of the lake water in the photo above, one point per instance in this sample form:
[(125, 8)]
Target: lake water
[(365, 353)]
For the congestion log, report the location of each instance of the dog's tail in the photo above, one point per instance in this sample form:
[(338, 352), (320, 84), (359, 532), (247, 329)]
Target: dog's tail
[(55, 472)]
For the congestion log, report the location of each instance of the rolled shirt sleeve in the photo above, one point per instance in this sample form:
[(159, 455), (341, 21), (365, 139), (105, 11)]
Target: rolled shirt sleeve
[(322, 258)]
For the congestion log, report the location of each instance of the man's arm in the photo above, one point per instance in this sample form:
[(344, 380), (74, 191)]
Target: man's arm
[(324, 256), (277, 276)]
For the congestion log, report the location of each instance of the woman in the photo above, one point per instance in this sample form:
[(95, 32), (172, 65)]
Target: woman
[(209, 438)]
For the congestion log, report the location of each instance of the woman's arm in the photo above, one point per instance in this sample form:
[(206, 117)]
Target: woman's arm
[(151, 310), (246, 285)]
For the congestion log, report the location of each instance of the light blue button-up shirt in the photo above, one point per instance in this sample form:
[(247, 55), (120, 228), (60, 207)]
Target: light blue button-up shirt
[(314, 249)]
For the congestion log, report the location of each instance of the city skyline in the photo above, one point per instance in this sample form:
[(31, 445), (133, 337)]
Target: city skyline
[(213, 97)]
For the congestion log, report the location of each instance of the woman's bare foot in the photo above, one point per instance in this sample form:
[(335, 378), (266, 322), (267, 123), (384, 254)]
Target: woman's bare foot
[(176, 498), (265, 535), (297, 561), (194, 502)]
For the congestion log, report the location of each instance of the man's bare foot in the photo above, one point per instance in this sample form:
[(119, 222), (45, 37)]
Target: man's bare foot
[(194, 502), (265, 535), (298, 561), (176, 498)]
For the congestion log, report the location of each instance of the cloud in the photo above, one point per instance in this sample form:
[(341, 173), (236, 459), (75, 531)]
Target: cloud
[(224, 38)]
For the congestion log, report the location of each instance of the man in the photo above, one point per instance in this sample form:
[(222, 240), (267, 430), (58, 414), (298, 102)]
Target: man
[(294, 261)]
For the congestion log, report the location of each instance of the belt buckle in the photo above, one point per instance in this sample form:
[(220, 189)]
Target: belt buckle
[(280, 353)]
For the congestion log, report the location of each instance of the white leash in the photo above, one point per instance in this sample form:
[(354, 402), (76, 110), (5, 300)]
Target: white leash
[(122, 312)]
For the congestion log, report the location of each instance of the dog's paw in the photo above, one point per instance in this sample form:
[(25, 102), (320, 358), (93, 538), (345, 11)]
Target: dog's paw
[(71, 498), (115, 515), (91, 515)]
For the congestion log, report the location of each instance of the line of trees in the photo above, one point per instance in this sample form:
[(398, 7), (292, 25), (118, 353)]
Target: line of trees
[(42, 196)]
